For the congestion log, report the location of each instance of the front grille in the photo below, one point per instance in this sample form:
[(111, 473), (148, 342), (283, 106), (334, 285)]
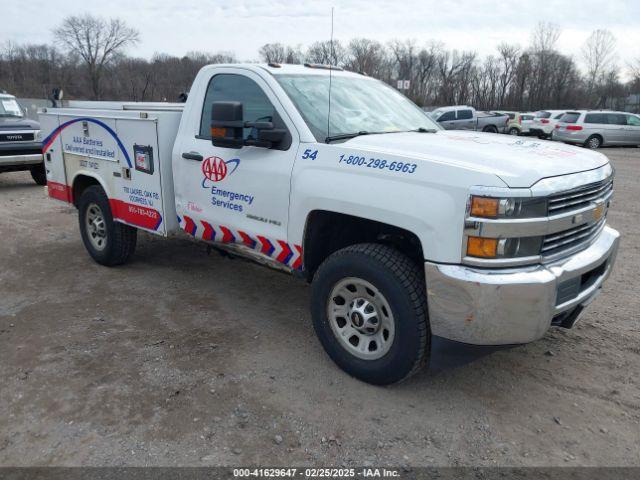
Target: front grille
[(16, 137), (571, 240), (579, 197)]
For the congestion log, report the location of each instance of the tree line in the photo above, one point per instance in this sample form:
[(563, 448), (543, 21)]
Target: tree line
[(89, 61)]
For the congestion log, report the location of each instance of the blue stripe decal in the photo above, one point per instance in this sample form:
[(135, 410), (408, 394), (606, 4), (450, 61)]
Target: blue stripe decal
[(46, 143)]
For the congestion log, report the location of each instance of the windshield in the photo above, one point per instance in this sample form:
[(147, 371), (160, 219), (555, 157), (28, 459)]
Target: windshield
[(9, 108), (543, 114), (358, 104)]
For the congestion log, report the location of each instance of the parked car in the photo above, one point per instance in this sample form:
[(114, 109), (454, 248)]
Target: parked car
[(404, 230), (462, 117), (544, 122), (520, 124), (594, 129), (20, 142)]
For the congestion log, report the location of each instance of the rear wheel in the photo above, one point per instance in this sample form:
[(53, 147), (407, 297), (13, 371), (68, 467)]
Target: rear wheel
[(593, 142), (369, 311), (39, 174), (490, 129), (514, 131), (109, 243)]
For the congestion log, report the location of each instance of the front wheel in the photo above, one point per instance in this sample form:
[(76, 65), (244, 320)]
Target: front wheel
[(369, 310), (109, 243), (39, 174)]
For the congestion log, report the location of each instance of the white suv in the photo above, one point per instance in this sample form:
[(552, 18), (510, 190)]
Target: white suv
[(544, 122)]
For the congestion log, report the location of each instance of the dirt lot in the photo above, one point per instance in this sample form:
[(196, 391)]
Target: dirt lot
[(184, 358)]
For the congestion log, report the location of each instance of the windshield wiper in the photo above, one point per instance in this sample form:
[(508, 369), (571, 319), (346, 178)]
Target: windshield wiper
[(423, 130), (345, 136)]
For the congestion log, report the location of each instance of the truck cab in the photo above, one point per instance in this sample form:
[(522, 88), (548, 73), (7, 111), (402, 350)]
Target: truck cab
[(463, 117), (20, 147), (404, 230)]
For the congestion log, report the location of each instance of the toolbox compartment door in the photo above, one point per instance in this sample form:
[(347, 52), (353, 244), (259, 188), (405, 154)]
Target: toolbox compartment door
[(122, 155)]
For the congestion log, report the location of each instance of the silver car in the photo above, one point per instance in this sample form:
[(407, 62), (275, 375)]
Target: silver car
[(594, 129)]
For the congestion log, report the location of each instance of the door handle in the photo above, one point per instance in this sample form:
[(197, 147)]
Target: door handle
[(192, 156)]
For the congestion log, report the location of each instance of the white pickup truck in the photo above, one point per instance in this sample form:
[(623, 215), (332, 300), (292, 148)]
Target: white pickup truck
[(404, 230)]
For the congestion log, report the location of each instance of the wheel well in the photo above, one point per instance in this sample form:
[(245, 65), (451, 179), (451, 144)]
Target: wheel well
[(80, 184), (327, 232)]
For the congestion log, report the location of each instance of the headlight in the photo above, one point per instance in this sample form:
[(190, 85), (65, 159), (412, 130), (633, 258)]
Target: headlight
[(482, 247), (38, 135), (489, 207)]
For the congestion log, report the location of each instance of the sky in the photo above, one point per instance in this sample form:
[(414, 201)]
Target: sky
[(242, 26)]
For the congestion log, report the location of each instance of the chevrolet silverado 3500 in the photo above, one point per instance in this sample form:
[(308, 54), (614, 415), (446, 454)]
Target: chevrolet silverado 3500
[(403, 229)]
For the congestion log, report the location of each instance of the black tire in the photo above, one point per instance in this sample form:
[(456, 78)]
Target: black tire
[(119, 239), (593, 142), (402, 284), (39, 174), (514, 131), (490, 129)]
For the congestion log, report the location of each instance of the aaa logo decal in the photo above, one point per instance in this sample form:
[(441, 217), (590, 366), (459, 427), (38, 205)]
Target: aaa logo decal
[(216, 169)]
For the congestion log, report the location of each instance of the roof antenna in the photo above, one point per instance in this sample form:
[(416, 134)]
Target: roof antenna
[(331, 59)]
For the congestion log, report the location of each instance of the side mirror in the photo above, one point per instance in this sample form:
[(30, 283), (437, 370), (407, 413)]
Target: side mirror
[(227, 129), (227, 125)]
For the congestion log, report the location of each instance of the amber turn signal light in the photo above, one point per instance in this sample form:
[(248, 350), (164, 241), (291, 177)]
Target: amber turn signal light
[(484, 207), (218, 132), (482, 247)]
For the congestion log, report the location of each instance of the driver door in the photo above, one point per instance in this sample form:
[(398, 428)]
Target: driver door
[(236, 195)]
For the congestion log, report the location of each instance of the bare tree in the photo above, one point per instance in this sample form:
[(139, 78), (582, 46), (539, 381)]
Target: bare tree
[(279, 53), (97, 42), (599, 54), (365, 56), (508, 59), (545, 36), (326, 53)]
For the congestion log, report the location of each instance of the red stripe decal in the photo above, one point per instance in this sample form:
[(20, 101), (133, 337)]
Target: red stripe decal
[(227, 236), (297, 265), (135, 214), (246, 239), (286, 252), (208, 231), (60, 191), (189, 226)]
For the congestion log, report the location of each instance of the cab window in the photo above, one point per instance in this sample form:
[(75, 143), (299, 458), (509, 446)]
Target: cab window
[(237, 88), (465, 114), (447, 116), (633, 121)]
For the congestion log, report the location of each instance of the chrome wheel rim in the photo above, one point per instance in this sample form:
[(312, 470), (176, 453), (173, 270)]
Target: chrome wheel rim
[(361, 318), (594, 143), (96, 227)]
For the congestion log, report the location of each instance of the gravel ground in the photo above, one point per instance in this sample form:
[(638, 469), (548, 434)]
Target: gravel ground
[(184, 358)]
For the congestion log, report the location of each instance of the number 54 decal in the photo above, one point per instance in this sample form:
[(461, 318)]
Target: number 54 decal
[(308, 153)]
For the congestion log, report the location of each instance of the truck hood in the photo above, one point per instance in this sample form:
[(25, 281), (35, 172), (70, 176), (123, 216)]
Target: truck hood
[(520, 163), (15, 123)]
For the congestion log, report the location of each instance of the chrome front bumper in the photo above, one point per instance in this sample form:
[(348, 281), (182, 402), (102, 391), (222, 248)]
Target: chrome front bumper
[(11, 160), (515, 305)]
